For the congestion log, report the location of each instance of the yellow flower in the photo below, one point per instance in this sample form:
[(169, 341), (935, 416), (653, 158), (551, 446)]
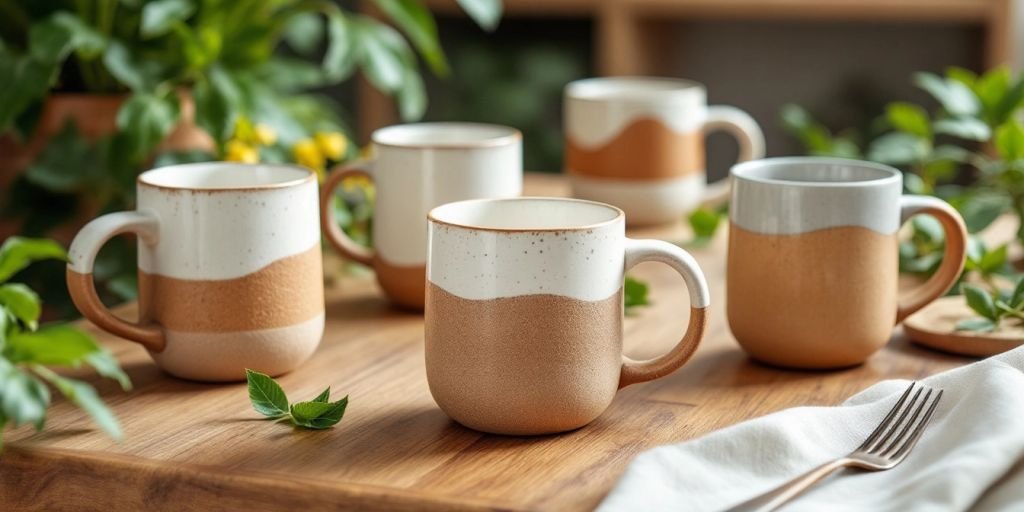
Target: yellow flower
[(265, 135), (333, 145), (238, 151), (352, 183), (307, 153), (243, 130)]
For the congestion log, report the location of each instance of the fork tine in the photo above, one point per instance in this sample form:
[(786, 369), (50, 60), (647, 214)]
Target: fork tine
[(895, 443), (894, 425), (905, 449), (885, 421)]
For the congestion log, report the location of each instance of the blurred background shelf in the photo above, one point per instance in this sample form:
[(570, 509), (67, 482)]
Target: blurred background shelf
[(842, 59)]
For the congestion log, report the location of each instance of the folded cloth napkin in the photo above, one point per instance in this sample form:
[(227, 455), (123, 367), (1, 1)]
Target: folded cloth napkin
[(971, 455)]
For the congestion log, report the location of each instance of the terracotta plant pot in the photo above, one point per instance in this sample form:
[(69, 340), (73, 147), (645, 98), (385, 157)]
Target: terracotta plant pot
[(95, 115)]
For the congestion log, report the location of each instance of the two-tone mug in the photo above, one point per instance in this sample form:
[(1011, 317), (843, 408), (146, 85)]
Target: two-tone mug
[(230, 273), (813, 261), (524, 312), (638, 143), (417, 167)]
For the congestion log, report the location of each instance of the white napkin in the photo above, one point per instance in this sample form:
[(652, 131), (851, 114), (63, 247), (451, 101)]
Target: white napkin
[(971, 455)]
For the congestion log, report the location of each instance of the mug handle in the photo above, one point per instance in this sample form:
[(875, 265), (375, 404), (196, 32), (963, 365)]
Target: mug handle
[(82, 258), (681, 261), (335, 235), (952, 258), (746, 131)]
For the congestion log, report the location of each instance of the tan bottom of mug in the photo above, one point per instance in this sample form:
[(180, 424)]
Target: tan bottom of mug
[(403, 285), (526, 365), (224, 356), (818, 300)]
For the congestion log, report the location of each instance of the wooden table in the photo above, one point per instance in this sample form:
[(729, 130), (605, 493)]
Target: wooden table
[(192, 446)]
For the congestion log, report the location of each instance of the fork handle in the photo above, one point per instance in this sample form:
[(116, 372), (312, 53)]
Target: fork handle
[(779, 496)]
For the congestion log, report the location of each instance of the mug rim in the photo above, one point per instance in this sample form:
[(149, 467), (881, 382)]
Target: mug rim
[(432, 215), (510, 136), (745, 171), (684, 90), (145, 178)]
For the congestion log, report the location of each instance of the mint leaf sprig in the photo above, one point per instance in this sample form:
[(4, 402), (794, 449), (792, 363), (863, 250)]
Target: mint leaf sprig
[(992, 310), (269, 399)]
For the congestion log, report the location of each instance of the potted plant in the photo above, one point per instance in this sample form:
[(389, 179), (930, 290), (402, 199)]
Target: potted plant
[(99, 90)]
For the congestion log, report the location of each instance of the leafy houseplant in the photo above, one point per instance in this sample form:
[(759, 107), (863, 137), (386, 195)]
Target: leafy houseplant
[(26, 350), (99, 90)]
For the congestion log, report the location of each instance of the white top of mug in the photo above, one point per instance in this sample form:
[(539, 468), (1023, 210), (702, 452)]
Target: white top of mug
[(637, 89), (794, 195), (446, 135), (526, 214), (225, 176)]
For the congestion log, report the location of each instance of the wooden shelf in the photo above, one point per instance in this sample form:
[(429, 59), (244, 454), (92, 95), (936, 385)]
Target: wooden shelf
[(627, 36)]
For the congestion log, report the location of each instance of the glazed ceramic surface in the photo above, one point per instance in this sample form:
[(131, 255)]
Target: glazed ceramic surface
[(418, 167), (230, 270), (813, 259), (524, 312), (638, 143)]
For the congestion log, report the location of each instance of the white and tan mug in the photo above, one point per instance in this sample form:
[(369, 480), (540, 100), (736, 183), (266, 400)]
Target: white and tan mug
[(524, 312), (638, 143), (230, 273), (813, 263), (417, 167)]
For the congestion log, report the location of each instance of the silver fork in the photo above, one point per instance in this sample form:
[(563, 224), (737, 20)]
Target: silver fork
[(886, 447)]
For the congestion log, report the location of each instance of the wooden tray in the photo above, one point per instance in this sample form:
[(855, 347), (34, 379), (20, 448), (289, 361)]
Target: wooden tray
[(935, 327), (191, 446)]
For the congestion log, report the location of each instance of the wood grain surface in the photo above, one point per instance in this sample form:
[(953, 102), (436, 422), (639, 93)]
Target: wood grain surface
[(193, 446)]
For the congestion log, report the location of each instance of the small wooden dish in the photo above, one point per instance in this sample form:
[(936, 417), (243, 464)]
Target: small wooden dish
[(935, 327)]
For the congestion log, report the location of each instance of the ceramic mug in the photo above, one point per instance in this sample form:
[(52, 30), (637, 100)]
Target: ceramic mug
[(813, 262), (638, 143), (417, 167), (524, 312), (230, 273)]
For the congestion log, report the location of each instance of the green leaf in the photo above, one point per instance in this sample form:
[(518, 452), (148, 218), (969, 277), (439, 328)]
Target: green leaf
[(146, 119), (340, 59), (84, 39), (266, 395), (994, 260), (303, 32), (318, 415), (106, 365), (159, 15), (66, 163), (979, 300), (1010, 141), (704, 223), (1009, 103), (1017, 297), (412, 96), (24, 398), (84, 396), (418, 24), (134, 71), (955, 97), (898, 148), (634, 293), (52, 345), (323, 397), (486, 13), (964, 127), (22, 302), (964, 76), (980, 211), (17, 253), (976, 324), (217, 101), (27, 81), (384, 67), (991, 88), (49, 42), (909, 118)]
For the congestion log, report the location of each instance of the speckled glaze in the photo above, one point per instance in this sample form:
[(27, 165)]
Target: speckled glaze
[(230, 273), (812, 265), (417, 167), (638, 143), (524, 312)]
